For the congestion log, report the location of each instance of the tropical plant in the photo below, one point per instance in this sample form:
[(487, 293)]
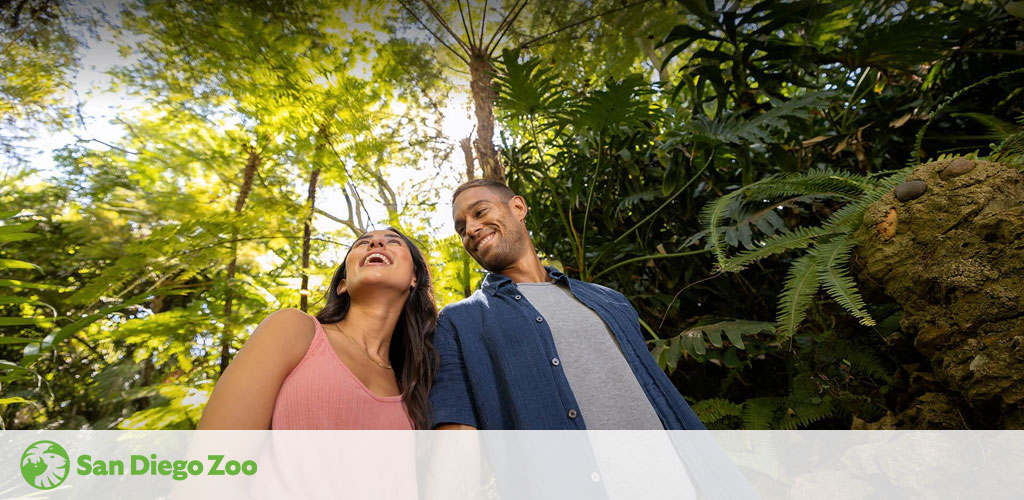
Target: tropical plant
[(24, 310)]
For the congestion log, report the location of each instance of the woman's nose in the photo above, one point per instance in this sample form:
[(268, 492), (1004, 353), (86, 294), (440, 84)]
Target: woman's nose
[(377, 241)]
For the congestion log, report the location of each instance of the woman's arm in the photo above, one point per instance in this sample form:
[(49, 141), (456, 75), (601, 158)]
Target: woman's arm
[(245, 394)]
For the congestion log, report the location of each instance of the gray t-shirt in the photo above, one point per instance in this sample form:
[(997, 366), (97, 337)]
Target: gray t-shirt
[(606, 390)]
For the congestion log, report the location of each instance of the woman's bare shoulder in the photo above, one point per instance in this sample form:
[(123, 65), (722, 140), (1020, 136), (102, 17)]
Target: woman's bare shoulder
[(287, 331)]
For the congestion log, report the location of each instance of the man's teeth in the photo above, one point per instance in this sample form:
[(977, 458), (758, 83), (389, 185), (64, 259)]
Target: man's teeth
[(485, 240)]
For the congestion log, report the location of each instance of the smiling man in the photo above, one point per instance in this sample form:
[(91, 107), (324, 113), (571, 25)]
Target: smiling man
[(534, 349)]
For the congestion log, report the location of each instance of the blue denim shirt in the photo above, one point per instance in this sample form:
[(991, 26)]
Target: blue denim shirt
[(496, 369)]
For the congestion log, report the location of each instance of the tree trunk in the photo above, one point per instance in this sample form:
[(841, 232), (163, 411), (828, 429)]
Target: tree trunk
[(467, 151), (306, 235), (482, 88), (243, 194)]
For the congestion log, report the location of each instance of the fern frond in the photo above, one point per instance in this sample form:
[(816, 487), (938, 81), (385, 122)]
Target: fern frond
[(797, 107), (861, 360), (801, 237), (801, 413), (823, 182), (832, 260), (110, 281), (919, 139), (850, 216), (801, 285), (711, 217), (1011, 150), (711, 411), (759, 413)]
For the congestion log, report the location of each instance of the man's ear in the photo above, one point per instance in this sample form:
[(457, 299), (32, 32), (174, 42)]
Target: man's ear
[(518, 207)]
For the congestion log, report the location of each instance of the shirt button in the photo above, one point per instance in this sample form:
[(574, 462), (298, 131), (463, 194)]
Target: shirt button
[(595, 477), (518, 297), (540, 319), (554, 361), (572, 413)]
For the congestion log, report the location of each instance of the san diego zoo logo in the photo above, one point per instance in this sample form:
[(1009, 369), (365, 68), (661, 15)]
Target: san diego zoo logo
[(44, 465)]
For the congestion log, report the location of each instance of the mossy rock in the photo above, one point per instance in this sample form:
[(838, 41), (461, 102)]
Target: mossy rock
[(953, 258)]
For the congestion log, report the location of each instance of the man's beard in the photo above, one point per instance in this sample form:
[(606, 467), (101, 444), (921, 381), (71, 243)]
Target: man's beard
[(502, 256)]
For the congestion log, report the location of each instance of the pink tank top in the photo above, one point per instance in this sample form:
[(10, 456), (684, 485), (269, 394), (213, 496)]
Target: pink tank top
[(322, 393)]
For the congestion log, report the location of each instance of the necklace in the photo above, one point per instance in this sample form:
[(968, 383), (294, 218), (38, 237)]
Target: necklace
[(363, 350)]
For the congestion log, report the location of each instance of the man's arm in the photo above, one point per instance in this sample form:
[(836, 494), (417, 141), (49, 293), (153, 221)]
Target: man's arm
[(451, 395)]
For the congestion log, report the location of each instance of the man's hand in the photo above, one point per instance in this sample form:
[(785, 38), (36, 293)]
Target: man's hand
[(455, 427)]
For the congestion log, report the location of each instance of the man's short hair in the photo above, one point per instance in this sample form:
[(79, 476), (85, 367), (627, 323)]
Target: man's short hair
[(497, 187)]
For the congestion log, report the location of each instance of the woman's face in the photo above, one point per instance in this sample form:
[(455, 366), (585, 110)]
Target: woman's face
[(378, 260)]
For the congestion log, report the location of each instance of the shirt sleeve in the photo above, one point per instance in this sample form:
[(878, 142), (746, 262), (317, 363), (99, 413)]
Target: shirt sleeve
[(450, 396)]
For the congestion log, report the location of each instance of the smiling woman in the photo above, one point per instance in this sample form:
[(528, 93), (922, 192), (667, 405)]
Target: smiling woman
[(363, 362)]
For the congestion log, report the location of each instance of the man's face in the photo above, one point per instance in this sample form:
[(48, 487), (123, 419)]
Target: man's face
[(492, 231)]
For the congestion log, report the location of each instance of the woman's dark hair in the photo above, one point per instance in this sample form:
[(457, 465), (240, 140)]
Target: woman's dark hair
[(412, 352)]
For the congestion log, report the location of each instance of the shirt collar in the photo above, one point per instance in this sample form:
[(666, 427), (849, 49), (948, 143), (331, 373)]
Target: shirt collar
[(494, 281)]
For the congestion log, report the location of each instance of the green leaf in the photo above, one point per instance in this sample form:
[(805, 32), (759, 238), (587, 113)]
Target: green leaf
[(26, 284), (832, 261), (710, 411), (12, 400), (16, 340), (7, 365), (58, 336), (801, 237), (797, 293), (758, 413), (672, 357), (6, 238), (21, 321), (18, 264), (15, 228), (1015, 9)]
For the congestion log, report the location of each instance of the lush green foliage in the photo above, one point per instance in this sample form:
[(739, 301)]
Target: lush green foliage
[(670, 145), (793, 128)]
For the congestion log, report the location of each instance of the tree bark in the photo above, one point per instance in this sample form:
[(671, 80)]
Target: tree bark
[(251, 164), (467, 151), (482, 88), (307, 230)]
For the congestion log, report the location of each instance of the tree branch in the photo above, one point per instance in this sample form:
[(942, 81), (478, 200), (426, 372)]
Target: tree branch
[(436, 37), (345, 222), (444, 24), (505, 22), (465, 25), (483, 24), (581, 21)]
